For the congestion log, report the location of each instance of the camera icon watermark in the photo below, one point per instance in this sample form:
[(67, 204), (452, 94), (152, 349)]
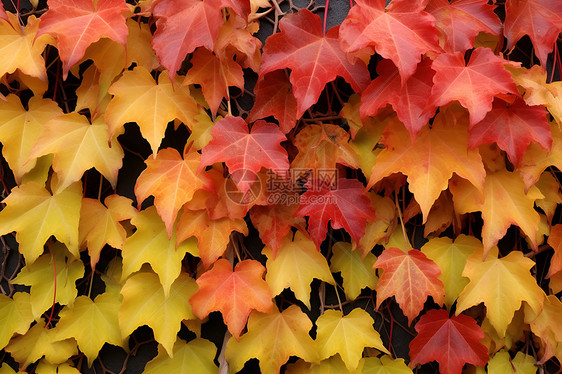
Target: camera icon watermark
[(283, 187)]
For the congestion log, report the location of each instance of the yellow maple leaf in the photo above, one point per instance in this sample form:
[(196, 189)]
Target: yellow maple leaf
[(537, 91), (40, 275), (39, 341), (502, 363), (138, 98), (297, 263), (431, 160), (144, 303), (20, 128), (195, 356), (92, 323), (451, 257), (172, 180), (347, 335), (505, 203), (150, 244), (20, 49), (15, 316), (58, 215), (78, 146), (536, 159), (357, 272), (502, 284), (546, 326), (99, 224), (139, 49), (44, 367), (384, 365), (290, 329)]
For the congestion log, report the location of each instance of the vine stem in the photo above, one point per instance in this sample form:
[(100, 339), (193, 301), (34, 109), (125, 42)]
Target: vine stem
[(55, 290), (401, 221), (325, 17)]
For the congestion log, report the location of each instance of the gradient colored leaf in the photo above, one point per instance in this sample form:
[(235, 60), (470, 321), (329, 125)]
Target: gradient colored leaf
[(183, 25), (234, 293), (513, 127), (138, 98), (346, 207), (245, 151), (411, 278), (409, 100), (443, 147), (473, 84), (402, 32), (172, 180), (461, 21), (541, 20), (78, 23), (502, 284), (505, 203)]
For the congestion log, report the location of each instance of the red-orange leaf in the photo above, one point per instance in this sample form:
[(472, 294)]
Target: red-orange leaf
[(403, 32), (540, 19), (474, 84), (78, 23), (346, 206), (452, 342), (214, 76), (246, 152), (234, 293), (314, 59), (461, 20), (411, 278), (183, 25), (555, 241), (274, 97), (513, 128), (410, 101)]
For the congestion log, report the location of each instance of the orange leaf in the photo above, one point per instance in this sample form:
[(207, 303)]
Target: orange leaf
[(172, 180), (234, 293)]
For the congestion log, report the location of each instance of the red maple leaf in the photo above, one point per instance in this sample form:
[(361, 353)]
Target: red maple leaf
[(245, 152), (461, 20), (403, 32), (450, 341), (78, 23), (473, 84), (183, 25), (513, 127), (314, 59), (274, 97), (234, 293), (410, 101), (540, 19), (345, 206)]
